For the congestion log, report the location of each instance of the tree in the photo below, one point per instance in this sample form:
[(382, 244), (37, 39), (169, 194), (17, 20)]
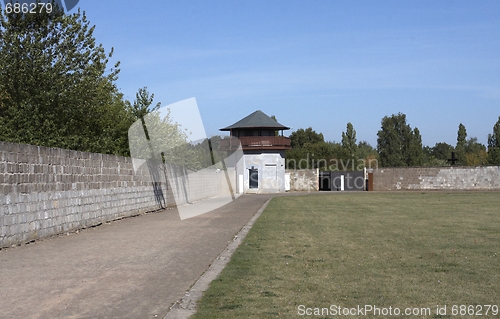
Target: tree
[(365, 149), (438, 155), (301, 137), (368, 153), (157, 135), (142, 103), (309, 150), (460, 147), (475, 153), (349, 142), (56, 89), (142, 107), (398, 145), (494, 145), (442, 151), (415, 155)]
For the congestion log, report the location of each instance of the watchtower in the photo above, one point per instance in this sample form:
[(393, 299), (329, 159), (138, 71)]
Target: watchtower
[(262, 167)]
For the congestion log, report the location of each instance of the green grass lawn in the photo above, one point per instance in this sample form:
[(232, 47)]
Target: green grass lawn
[(354, 249)]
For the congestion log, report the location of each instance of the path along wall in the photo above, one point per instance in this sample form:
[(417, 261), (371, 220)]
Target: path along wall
[(437, 178), (46, 191)]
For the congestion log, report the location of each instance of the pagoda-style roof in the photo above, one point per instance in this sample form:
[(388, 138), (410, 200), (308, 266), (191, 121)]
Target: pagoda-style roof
[(257, 119)]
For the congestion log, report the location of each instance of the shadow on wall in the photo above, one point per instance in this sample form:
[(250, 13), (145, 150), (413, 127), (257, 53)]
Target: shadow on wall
[(154, 168), (179, 175), (175, 181)]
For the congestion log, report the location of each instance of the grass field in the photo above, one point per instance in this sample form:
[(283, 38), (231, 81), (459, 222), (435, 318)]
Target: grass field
[(399, 250)]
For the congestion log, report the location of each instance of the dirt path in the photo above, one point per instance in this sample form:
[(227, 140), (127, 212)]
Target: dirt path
[(133, 268)]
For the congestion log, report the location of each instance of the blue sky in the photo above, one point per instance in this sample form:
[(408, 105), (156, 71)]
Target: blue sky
[(316, 64)]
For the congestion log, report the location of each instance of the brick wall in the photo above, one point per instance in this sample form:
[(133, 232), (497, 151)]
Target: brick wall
[(437, 178), (47, 191)]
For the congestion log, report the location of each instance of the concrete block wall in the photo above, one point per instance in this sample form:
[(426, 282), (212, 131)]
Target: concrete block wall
[(205, 183), (437, 178), (304, 179), (47, 191)]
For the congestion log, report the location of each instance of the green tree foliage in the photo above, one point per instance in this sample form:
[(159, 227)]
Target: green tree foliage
[(155, 134), (55, 88), (309, 150), (365, 150), (494, 145), (142, 103), (301, 137), (442, 151), (460, 147), (368, 154), (475, 153), (311, 155), (398, 145), (206, 154), (415, 155), (142, 107), (469, 152), (438, 155), (349, 142)]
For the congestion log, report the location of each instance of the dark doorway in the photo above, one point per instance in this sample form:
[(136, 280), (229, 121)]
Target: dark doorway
[(325, 181), (253, 178)]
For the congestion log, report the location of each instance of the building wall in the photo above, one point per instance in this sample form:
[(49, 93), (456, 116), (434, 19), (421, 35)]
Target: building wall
[(271, 170), (437, 178), (47, 191)]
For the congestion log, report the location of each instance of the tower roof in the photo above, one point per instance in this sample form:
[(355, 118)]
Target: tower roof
[(257, 119)]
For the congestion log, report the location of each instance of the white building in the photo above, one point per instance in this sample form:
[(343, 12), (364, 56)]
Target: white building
[(262, 167)]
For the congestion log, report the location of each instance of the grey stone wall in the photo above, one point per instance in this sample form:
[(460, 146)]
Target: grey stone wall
[(304, 179), (437, 178), (47, 191)]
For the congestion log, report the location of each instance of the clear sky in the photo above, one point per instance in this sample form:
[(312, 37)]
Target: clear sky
[(316, 64)]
